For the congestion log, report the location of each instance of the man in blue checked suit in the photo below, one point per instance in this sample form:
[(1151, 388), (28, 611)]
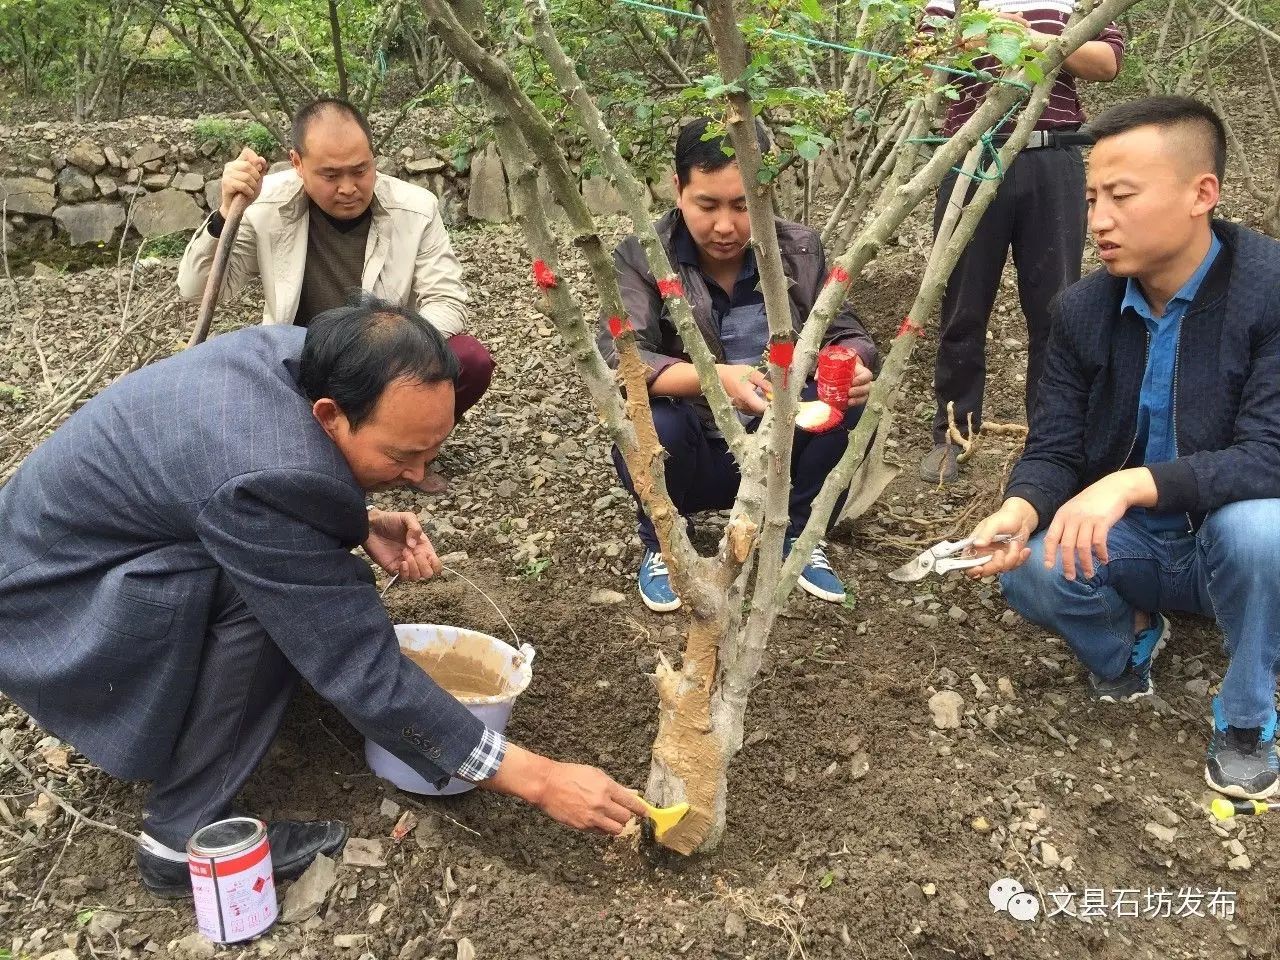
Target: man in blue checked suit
[(179, 552)]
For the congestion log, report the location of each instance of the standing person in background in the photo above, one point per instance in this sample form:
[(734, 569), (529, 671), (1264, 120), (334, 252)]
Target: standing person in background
[(1038, 211), (334, 225)]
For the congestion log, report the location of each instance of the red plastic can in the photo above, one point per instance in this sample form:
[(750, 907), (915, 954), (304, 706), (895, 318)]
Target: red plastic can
[(232, 879), (836, 368)]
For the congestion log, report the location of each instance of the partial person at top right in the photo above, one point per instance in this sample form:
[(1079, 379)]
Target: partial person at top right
[(1038, 211)]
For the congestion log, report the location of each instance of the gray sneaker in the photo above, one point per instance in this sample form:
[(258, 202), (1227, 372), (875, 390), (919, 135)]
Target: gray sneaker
[(939, 464), (1242, 762), (1135, 682)]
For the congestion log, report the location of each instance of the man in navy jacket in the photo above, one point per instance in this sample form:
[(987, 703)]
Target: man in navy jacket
[(178, 554), (1151, 478)]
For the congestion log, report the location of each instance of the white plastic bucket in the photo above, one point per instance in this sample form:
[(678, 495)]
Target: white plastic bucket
[(433, 646)]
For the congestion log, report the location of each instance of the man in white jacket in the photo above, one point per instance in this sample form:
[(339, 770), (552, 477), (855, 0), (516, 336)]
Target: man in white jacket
[(332, 225)]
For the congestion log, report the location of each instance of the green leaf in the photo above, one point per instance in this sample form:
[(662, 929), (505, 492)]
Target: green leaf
[(1005, 47), (808, 149), (83, 917), (827, 880), (765, 175), (812, 9), (1034, 72)]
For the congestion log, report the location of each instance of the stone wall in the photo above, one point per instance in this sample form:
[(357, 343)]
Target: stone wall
[(82, 183)]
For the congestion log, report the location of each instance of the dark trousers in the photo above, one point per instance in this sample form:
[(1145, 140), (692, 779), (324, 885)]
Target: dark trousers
[(1039, 210), (243, 688), (702, 474), (477, 371)]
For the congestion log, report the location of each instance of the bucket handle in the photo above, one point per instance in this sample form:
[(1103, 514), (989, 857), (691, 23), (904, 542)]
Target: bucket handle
[(526, 650), (520, 645), (526, 655)]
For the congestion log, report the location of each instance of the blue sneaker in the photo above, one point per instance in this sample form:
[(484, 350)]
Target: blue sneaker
[(1242, 761), (655, 584), (817, 578), (1134, 682)]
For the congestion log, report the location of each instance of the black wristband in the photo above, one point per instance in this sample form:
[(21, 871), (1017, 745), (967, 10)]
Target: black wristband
[(216, 223)]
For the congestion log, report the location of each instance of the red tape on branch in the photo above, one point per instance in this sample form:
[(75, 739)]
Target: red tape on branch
[(837, 275), (618, 326), (543, 276), (909, 326), (781, 353), (671, 288)]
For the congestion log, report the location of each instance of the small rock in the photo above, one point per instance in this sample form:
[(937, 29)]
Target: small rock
[(43, 810), (947, 708), (415, 949), (1162, 833), (309, 891), (348, 941), (735, 925), (1005, 686), (980, 689), (195, 946), (74, 185), (425, 165), (1049, 855), (980, 825), (87, 156), (465, 950), (1239, 863), (147, 153), (859, 766), (66, 954), (389, 808), (606, 598), (362, 852), (1008, 618), (1198, 686), (375, 915), (190, 182), (455, 558), (104, 923), (958, 615), (930, 889), (927, 620)]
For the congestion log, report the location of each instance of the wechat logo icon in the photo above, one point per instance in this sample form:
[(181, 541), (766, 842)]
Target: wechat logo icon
[(1008, 896)]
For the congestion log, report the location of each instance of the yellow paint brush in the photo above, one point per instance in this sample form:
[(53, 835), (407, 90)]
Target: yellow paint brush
[(1225, 809), (664, 818)]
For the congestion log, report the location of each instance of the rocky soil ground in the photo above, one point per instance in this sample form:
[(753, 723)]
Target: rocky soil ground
[(868, 815)]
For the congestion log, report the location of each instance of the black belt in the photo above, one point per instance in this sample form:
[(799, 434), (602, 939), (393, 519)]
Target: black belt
[(1052, 138)]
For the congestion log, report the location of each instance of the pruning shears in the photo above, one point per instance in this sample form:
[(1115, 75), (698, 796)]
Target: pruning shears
[(943, 558)]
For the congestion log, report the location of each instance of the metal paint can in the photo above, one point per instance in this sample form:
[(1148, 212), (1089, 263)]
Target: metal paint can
[(232, 879)]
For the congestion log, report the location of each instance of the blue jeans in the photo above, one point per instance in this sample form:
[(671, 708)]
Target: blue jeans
[(1228, 570), (702, 474)]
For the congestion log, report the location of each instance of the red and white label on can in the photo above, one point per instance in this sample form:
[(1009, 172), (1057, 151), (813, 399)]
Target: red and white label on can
[(235, 896)]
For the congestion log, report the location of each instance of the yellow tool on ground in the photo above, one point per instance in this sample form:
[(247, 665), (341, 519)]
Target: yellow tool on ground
[(1225, 809), (664, 818)]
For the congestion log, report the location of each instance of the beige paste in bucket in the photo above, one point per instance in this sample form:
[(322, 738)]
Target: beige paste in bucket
[(478, 675)]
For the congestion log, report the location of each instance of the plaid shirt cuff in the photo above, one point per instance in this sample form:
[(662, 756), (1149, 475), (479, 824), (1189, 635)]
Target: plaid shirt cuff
[(484, 760)]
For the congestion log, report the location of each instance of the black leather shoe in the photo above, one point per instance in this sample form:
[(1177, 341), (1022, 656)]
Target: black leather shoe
[(294, 845)]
